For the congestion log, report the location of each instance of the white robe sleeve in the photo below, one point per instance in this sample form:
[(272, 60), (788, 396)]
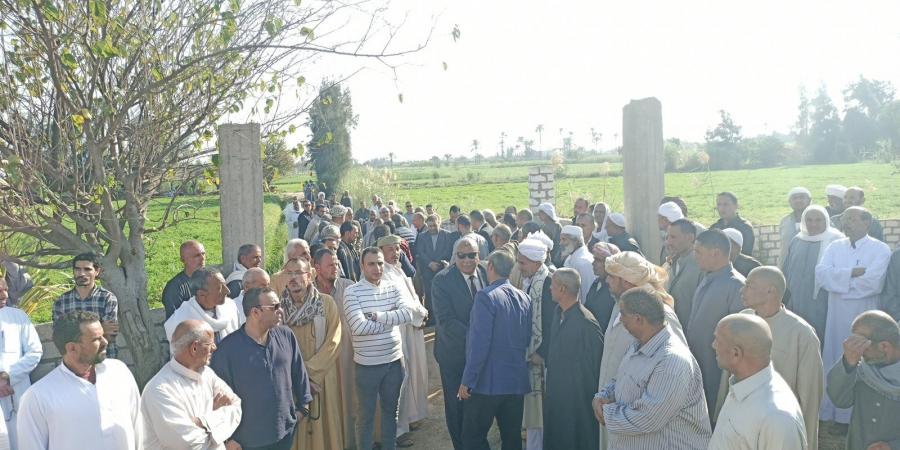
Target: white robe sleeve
[(31, 430), (31, 353), (222, 422), (828, 275), (871, 282)]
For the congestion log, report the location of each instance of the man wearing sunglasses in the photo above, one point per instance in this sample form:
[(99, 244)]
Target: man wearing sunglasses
[(261, 362)]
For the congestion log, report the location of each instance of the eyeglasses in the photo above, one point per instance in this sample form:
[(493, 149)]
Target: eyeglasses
[(272, 307), (472, 255)]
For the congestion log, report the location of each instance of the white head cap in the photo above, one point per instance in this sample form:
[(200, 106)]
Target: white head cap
[(798, 191), (835, 190), (735, 236), (618, 219), (571, 230), (548, 209), (533, 249), (670, 211)]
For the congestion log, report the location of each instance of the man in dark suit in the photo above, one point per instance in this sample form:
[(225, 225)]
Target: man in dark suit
[(452, 292), (495, 378), (481, 227), (432, 248)]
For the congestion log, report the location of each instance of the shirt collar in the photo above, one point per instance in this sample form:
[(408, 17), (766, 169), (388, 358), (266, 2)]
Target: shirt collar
[(740, 390), (654, 344), (184, 371), (98, 369)]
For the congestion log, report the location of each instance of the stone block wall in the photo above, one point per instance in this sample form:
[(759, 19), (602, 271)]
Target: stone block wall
[(52, 358), (768, 240), (540, 186)]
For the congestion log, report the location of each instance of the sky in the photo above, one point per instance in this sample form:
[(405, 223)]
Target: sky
[(575, 64)]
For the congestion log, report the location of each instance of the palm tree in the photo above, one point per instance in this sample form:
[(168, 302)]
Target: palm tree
[(502, 143), (448, 157), (540, 131), (391, 156), (475, 145), (595, 137)]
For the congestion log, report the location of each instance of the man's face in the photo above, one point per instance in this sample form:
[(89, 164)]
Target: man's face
[(270, 313), (85, 274), (854, 197), (205, 347), (527, 266), (4, 293), (373, 267), (351, 235), (193, 257), (521, 220), (599, 264), (677, 241), (556, 290), (755, 292), (337, 220), (299, 252), (629, 321), (463, 229), (599, 214), (327, 268), (466, 259), (877, 354), (616, 285), (299, 276), (799, 202), (580, 207), (816, 223), (296, 204), (853, 224), (708, 259), (91, 346), (726, 207), (432, 227), (835, 203), (215, 292), (567, 246), (662, 222), (391, 253), (453, 216), (409, 208), (252, 259), (418, 223), (372, 216), (587, 226), (429, 210), (385, 214), (320, 210), (256, 282), (724, 348), (331, 243), (307, 207)]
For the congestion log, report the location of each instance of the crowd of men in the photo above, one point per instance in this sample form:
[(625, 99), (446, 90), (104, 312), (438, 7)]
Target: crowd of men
[(559, 331)]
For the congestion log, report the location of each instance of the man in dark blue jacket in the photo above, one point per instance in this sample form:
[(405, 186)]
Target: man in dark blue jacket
[(495, 379)]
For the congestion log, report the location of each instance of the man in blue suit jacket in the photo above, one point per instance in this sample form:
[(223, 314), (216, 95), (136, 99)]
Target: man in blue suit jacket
[(495, 379), (452, 293), (433, 246)]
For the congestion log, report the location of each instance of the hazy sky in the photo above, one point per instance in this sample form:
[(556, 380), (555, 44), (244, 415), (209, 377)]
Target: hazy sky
[(574, 64)]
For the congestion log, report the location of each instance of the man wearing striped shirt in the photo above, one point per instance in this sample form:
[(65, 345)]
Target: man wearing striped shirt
[(642, 408), (373, 309)]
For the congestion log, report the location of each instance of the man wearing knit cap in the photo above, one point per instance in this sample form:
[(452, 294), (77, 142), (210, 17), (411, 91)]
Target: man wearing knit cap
[(741, 262), (618, 236), (667, 213), (577, 256), (546, 214), (624, 271), (599, 301), (536, 278), (835, 195), (798, 198)]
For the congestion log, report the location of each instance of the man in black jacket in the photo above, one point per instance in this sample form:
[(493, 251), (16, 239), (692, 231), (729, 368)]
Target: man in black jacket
[(432, 247)]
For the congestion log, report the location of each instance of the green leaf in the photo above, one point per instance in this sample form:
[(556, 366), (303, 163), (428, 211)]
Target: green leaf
[(308, 32), (78, 120), (300, 80), (106, 50), (157, 75), (229, 28), (51, 12), (216, 160), (68, 60), (98, 10)]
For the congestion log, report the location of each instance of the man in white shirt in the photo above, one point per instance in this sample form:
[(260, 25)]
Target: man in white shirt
[(186, 405), (577, 256), (253, 278), (208, 305), (760, 412), (21, 353), (88, 401)]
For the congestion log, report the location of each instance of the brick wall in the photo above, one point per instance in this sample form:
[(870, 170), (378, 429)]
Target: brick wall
[(768, 240)]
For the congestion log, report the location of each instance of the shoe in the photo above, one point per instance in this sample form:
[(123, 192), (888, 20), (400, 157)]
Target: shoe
[(405, 441)]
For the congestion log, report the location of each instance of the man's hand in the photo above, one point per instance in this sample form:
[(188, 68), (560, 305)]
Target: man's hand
[(110, 328), (535, 359), (463, 393), (598, 403), (373, 316), (881, 445), (854, 347), (233, 445), (857, 272), (221, 400), (434, 266)]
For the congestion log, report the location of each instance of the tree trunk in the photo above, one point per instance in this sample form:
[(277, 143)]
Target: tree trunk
[(129, 284)]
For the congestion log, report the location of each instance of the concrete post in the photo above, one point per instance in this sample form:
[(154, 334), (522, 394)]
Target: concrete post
[(643, 168), (240, 190), (540, 186)]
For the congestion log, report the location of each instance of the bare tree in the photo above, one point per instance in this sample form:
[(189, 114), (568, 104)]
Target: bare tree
[(102, 101)]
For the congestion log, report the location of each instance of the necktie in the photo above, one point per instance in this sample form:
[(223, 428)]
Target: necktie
[(472, 285)]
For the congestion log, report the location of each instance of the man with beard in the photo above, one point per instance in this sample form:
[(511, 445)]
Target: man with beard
[(315, 320), (573, 367), (294, 249), (261, 363), (577, 256), (868, 378), (186, 405), (536, 281), (452, 293), (88, 401), (178, 289), (208, 305), (87, 296), (414, 392), (329, 282), (347, 252)]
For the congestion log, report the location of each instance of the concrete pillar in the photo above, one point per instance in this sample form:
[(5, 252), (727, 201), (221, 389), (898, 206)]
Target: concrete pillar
[(643, 168), (540, 186), (240, 190)]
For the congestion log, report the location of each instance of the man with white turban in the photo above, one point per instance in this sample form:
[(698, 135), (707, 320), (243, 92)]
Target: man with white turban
[(618, 235), (666, 214), (577, 256), (536, 283), (624, 271), (546, 216), (835, 195), (799, 199)]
